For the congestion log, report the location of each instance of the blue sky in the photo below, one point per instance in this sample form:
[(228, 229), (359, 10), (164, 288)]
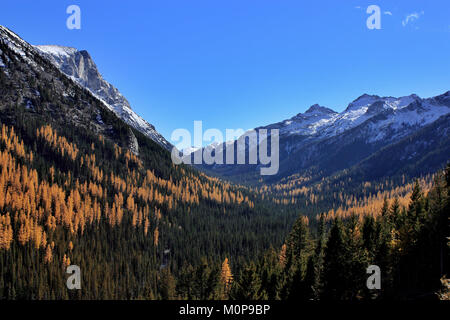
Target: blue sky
[(246, 63)]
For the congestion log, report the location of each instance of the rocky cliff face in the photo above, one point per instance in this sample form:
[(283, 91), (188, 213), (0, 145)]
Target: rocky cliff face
[(80, 67), (60, 90)]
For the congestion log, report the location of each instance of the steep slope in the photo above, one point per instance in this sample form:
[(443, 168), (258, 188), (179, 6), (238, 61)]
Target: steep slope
[(80, 67), (322, 142), (31, 82), (414, 155)]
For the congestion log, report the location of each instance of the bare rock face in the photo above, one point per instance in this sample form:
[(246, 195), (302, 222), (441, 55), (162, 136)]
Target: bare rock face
[(80, 67), (133, 143)]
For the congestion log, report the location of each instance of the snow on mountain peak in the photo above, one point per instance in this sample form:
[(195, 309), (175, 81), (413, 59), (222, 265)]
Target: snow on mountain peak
[(319, 109), (383, 112), (79, 66), (56, 50), (363, 101)]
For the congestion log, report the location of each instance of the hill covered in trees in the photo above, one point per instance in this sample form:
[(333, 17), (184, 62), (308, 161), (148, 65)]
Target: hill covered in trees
[(80, 186), (409, 243), (84, 200)]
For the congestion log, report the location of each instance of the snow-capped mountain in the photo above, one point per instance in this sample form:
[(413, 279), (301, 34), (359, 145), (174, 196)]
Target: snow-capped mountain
[(79, 66), (324, 141), (64, 83), (386, 113)]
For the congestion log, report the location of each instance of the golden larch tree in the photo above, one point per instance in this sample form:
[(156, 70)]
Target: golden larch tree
[(226, 277)]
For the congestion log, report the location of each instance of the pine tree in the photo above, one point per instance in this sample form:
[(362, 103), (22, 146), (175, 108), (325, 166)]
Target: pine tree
[(334, 280), (248, 287), (271, 273), (315, 264), (371, 233), (385, 208), (356, 260), (168, 285), (206, 281), (298, 252), (394, 212), (298, 245)]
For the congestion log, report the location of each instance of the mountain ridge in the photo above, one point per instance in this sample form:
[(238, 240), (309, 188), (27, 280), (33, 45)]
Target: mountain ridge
[(34, 83), (326, 141), (80, 67)]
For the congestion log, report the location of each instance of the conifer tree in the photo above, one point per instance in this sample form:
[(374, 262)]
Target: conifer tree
[(334, 280), (168, 285), (315, 264), (226, 276), (248, 287)]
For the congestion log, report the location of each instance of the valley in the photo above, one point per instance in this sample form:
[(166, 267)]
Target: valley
[(86, 181)]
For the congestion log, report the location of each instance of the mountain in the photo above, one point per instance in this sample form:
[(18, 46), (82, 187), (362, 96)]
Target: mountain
[(33, 77), (79, 66), (32, 82), (381, 115), (321, 142), (80, 186)]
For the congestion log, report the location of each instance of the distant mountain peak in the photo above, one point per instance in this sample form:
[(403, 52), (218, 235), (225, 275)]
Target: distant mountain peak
[(320, 139), (388, 113), (366, 96), (362, 101), (316, 108)]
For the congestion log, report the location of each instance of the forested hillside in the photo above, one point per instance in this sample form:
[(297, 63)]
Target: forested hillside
[(79, 186), (409, 243), (86, 201)]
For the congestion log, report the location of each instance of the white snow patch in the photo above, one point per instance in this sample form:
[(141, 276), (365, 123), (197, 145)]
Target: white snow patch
[(56, 50)]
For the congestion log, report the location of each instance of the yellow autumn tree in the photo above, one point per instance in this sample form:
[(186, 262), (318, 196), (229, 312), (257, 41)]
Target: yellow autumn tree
[(48, 254), (226, 277), (282, 256), (156, 237)]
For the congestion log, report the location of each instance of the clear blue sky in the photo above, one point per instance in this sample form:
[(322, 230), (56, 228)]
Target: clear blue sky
[(246, 63)]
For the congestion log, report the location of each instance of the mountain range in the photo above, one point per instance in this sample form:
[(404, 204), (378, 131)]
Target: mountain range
[(317, 143), (322, 142)]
